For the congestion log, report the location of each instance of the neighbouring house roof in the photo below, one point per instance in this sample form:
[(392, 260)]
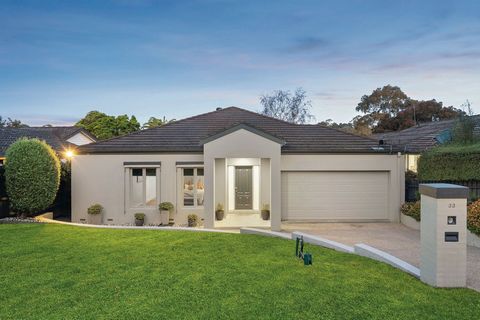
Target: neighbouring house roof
[(188, 134), (422, 136), (56, 137)]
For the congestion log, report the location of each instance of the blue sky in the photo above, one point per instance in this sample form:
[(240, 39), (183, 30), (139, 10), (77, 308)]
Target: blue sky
[(60, 59)]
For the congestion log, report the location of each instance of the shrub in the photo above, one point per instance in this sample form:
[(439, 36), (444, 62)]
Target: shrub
[(32, 174), (411, 209), (166, 206), (192, 220), (95, 209), (140, 216), (473, 217), (219, 207), (265, 207), (449, 166), (463, 131)]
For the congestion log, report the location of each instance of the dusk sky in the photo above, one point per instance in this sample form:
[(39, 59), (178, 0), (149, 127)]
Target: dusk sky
[(61, 59)]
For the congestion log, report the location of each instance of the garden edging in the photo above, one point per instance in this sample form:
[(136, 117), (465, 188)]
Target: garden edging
[(42, 218), (359, 249)]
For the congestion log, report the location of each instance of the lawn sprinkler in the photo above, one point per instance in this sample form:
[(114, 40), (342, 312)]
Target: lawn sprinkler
[(306, 257)]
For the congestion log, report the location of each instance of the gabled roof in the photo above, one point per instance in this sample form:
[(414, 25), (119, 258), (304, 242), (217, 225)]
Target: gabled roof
[(422, 136), (186, 135), (56, 137), (243, 126)]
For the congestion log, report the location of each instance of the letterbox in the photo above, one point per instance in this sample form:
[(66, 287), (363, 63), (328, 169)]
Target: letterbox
[(443, 231)]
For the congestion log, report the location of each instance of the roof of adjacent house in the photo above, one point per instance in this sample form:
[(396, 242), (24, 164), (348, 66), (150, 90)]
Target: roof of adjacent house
[(56, 137), (424, 135), (188, 134)]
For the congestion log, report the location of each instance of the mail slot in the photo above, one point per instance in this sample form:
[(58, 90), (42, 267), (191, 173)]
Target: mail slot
[(451, 236)]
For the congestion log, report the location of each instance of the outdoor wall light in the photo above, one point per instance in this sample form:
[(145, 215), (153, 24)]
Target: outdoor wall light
[(69, 154)]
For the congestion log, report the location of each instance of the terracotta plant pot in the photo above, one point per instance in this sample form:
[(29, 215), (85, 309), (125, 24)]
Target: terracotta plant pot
[(164, 217), (219, 215), (266, 214)]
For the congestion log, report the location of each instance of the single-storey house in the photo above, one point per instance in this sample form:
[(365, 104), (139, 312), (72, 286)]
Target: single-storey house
[(415, 140), (243, 161), (61, 139)]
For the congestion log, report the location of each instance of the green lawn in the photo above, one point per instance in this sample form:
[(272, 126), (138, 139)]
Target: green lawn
[(62, 272)]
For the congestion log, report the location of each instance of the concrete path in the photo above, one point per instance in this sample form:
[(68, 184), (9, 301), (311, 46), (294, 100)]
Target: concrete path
[(393, 238)]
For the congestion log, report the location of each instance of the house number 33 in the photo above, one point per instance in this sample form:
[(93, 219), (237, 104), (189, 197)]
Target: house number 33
[(451, 205)]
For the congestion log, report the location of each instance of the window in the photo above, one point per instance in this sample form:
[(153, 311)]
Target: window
[(143, 187), (193, 187)]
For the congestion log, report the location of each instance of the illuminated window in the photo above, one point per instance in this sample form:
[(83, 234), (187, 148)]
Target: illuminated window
[(143, 187), (193, 187)]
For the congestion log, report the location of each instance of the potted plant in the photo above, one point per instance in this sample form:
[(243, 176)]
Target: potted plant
[(139, 219), (166, 208), (219, 212), (95, 214), (192, 220), (265, 212)]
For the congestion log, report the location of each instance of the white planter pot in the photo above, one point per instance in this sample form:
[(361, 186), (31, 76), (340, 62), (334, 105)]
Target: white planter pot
[(409, 222), (94, 219), (164, 217)]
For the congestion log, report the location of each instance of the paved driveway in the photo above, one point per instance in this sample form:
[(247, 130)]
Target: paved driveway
[(393, 238)]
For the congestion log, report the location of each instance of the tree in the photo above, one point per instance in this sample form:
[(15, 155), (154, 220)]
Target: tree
[(11, 123), (283, 105), (463, 131), (104, 126), (381, 104), (32, 174), (390, 109), (156, 122), (347, 126)]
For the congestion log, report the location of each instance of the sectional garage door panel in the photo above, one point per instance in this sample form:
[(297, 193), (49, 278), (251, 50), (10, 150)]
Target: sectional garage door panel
[(348, 196)]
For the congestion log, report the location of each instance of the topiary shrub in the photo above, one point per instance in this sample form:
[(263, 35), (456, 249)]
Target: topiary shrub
[(473, 217), (192, 220), (411, 209), (32, 174), (95, 209), (166, 206)]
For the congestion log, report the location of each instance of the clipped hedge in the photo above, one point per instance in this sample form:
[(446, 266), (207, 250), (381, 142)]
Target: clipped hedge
[(450, 164), (32, 174)]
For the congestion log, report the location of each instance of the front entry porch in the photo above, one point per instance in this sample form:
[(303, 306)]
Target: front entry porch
[(239, 219), (242, 188), (242, 176)]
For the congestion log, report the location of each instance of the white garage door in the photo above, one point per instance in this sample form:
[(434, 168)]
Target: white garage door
[(347, 196)]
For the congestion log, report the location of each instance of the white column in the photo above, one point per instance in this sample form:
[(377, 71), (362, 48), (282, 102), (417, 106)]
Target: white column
[(443, 234), (209, 201), (275, 194)]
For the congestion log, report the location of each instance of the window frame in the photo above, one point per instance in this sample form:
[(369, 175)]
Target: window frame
[(195, 190), (144, 187)]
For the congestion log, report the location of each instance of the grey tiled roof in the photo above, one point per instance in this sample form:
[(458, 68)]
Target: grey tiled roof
[(56, 137), (186, 135), (423, 136)]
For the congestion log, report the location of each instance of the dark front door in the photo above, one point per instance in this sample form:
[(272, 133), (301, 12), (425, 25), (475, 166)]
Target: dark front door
[(243, 188)]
